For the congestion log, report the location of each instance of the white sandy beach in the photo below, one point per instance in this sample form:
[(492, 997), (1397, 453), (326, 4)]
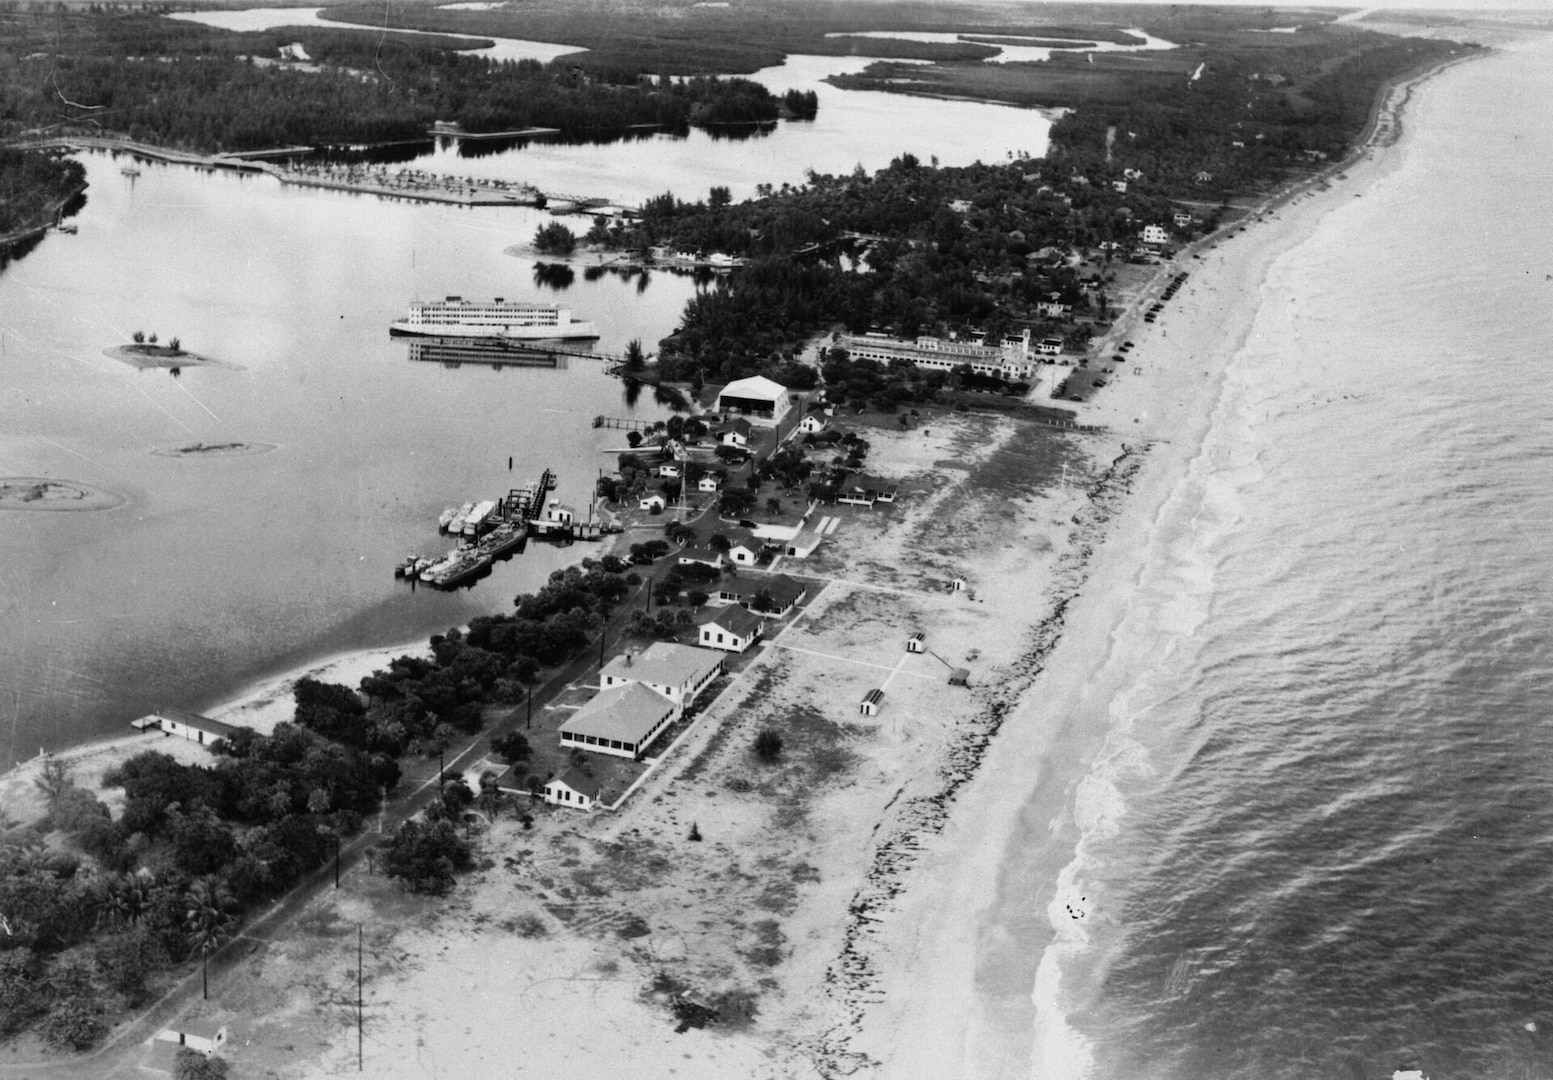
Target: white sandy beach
[(977, 1020)]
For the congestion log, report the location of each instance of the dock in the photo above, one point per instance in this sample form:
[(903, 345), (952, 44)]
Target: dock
[(623, 423), (506, 523)]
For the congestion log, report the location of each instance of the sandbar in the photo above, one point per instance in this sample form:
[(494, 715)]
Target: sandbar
[(42, 493), (211, 450)]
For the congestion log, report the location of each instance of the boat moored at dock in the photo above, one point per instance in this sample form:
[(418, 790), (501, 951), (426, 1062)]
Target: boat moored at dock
[(456, 317)]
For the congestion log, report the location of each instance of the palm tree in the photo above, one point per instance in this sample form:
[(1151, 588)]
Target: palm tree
[(208, 916), (490, 798), (635, 359), (54, 779), (124, 899)]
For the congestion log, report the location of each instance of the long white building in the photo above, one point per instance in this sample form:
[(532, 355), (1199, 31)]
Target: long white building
[(1011, 361)]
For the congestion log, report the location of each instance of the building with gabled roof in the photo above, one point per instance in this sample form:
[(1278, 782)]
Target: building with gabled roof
[(704, 556), (573, 788), (734, 629), (677, 672), (735, 432), (785, 592), (622, 720)]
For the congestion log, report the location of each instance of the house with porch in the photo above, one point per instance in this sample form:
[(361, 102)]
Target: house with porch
[(621, 721), (785, 593), (677, 672)]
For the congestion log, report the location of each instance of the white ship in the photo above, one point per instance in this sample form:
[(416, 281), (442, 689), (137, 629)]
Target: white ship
[(513, 319)]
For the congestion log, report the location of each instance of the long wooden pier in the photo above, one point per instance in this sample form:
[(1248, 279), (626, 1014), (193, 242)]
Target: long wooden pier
[(622, 422)]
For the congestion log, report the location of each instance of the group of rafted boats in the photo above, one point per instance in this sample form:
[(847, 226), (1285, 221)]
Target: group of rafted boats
[(487, 530)]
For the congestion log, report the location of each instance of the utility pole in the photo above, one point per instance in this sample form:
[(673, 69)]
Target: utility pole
[(358, 997), (336, 860), (530, 723)]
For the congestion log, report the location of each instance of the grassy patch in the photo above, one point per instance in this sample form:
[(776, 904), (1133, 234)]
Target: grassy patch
[(767, 951)]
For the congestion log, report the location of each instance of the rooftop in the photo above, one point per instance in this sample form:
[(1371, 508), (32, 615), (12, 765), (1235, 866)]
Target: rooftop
[(626, 713), (757, 386), (195, 720), (665, 664), (782, 588), (738, 621), (580, 781)]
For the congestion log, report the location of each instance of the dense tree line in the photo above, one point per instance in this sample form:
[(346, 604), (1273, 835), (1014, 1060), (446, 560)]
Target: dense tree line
[(31, 185), (189, 86), (1249, 120), (417, 705), (89, 932)]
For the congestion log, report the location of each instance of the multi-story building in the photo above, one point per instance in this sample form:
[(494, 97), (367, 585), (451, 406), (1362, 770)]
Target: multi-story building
[(1011, 361)]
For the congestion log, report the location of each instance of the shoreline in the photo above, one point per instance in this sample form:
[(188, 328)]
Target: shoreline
[(998, 953)]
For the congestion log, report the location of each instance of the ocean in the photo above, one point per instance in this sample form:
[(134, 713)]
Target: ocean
[(1318, 840)]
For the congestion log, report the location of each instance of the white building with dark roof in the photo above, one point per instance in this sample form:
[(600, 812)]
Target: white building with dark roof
[(784, 592), (574, 789), (735, 433), (732, 630), (622, 720), (677, 672)]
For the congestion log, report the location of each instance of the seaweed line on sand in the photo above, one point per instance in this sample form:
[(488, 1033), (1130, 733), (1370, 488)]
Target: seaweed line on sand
[(852, 981)]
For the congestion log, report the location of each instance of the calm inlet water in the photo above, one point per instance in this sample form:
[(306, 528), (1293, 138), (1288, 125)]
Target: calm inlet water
[(853, 128), (1319, 840), (218, 571)]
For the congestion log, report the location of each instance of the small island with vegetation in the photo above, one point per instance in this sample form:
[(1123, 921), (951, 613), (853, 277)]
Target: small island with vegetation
[(145, 351)]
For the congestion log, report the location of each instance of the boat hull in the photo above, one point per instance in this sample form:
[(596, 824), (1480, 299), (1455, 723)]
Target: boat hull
[(570, 332)]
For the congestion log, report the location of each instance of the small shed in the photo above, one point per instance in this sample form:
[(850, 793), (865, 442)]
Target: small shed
[(957, 585), (916, 643), (201, 1035), (871, 702), (960, 677)]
